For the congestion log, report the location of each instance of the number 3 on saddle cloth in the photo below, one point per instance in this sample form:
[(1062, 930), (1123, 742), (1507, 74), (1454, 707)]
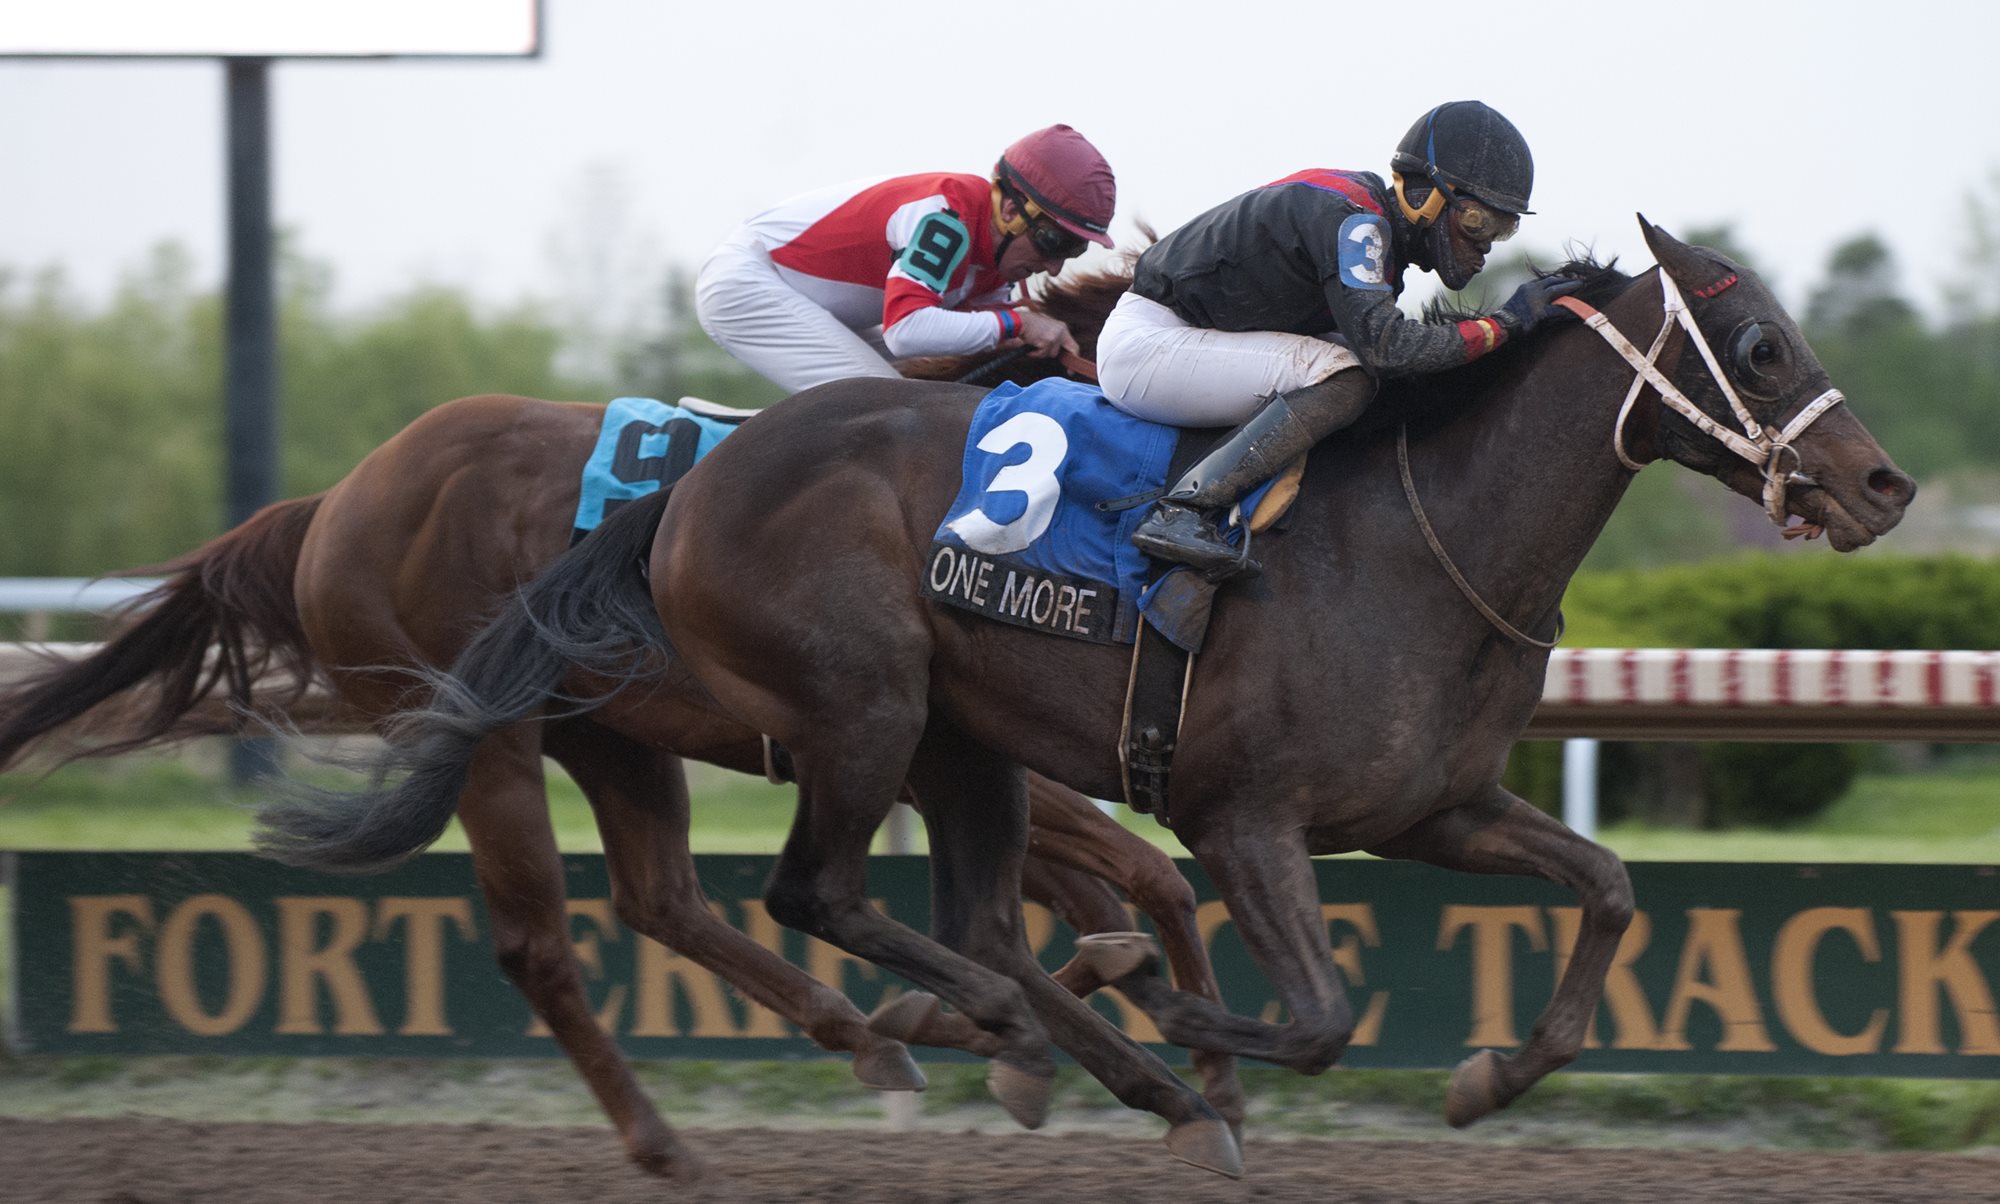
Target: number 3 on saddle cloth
[(643, 447), (1040, 535)]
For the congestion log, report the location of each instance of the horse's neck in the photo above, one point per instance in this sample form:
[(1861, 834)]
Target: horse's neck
[(1519, 487)]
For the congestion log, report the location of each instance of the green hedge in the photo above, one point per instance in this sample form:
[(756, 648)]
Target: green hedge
[(1801, 598), (1804, 598)]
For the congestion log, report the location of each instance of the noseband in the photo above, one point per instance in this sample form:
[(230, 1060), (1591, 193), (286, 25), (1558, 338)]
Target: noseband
[(1766, 448)]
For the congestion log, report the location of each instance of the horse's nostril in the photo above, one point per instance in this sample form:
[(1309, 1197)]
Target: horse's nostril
[(1894, 485)]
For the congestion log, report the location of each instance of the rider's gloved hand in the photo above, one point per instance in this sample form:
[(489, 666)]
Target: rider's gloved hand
[(1534, 303)]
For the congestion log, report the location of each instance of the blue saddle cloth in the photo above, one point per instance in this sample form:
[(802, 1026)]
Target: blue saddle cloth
[(642, 447), (1028, 540)]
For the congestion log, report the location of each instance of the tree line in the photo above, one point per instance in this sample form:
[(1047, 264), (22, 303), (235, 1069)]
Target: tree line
[(111, 449), (111, 412)]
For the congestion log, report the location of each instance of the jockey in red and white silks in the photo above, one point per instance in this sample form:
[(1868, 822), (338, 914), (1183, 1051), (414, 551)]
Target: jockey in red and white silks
[(838, 282)]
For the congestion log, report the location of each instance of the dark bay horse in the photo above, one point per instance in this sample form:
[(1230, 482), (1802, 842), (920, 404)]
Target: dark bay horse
[(396, 566), (1362, 694)]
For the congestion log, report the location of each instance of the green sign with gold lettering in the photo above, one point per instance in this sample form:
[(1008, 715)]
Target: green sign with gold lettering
[(1734, 969)]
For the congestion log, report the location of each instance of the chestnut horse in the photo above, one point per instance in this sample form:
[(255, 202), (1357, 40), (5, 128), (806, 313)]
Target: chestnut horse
[(1362, 694), (397, 565)]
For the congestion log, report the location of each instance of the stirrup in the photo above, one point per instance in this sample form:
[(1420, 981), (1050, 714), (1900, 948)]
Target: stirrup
[(1242, 566), (1165, 535)]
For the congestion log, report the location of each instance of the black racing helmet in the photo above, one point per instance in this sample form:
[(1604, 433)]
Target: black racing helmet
[(1464, 145)]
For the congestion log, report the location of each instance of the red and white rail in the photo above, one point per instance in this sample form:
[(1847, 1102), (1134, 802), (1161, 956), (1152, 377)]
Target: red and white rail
[(1680, 694), (1770, 694)]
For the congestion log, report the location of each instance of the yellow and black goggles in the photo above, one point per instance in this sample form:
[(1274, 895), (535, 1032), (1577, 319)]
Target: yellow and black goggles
[(1482, 222)]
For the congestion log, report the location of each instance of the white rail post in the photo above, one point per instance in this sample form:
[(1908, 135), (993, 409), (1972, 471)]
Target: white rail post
[(1580, 787), (900, 1108)]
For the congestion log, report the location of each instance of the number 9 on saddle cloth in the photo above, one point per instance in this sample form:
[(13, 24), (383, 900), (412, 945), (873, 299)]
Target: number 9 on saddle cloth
[(643, 447)]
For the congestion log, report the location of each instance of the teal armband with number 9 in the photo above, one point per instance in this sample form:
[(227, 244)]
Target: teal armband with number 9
[(936, 248)]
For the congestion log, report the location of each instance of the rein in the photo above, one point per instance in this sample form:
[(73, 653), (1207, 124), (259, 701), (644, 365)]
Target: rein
[(990, 365), (1444, 559), (1071, 362), (1763, 446)]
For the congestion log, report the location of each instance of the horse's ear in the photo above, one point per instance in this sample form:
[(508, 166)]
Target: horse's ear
[(1695, 272)]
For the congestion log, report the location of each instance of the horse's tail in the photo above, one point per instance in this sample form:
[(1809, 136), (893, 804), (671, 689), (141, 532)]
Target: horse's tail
[(591, 612), (225, 616)]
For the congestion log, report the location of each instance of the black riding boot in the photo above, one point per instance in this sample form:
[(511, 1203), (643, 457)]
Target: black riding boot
[(1183, 525)]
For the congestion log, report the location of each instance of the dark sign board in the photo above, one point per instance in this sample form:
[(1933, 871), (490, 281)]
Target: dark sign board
[(1728, 968)]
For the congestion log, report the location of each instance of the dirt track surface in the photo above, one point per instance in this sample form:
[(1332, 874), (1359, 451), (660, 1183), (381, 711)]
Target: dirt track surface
[(169, 1162)]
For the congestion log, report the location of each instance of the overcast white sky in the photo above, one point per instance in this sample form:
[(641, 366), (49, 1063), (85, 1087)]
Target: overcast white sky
[(1802, 124)]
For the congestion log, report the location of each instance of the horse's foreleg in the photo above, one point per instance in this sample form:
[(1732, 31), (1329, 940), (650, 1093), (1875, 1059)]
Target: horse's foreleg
[(1500, 834), (1084, 902), (639, 795), (1067, 828), (976, 810), (505, 811)]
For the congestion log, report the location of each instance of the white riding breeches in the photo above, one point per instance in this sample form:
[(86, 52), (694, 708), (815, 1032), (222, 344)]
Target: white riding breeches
[(749, 310), (1152, 364)]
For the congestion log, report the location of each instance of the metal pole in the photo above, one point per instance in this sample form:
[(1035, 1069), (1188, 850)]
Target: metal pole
[(900, 1109), (250, 422), (899, 829), (1580, 787)]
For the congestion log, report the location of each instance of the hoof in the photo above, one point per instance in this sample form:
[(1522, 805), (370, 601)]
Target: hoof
[(889, 1067), (1476, 1089), (1113, 955), (659, 1152), (917, 1018), (1023, 1093), (903, 1017), (1207, 1144)]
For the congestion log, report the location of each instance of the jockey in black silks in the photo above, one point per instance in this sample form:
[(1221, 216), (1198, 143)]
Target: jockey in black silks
[(1277, 310)]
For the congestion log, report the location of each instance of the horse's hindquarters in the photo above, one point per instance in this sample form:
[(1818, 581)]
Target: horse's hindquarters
[(778, 572)]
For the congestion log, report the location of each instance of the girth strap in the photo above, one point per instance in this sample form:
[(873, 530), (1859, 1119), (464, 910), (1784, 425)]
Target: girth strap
[(1155, 696)]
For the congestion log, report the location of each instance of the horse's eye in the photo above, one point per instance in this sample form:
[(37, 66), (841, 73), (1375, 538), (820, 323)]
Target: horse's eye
[(1756, 359)]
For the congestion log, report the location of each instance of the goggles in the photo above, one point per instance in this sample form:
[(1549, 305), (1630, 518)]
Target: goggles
[(1053, 241), (1482, 222)]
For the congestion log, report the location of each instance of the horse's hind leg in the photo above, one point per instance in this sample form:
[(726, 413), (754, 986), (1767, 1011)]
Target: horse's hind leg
[(1500, 834), (505, 811), (849, 775), (1067, 829), (977, 815), (639, 795)]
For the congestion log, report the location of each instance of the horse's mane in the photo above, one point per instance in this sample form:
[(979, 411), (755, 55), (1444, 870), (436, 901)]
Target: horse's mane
[(1601, 282), (1402, 396)]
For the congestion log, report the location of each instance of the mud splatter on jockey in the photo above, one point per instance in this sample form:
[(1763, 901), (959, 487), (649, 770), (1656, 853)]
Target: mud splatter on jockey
[(1277, 310)]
